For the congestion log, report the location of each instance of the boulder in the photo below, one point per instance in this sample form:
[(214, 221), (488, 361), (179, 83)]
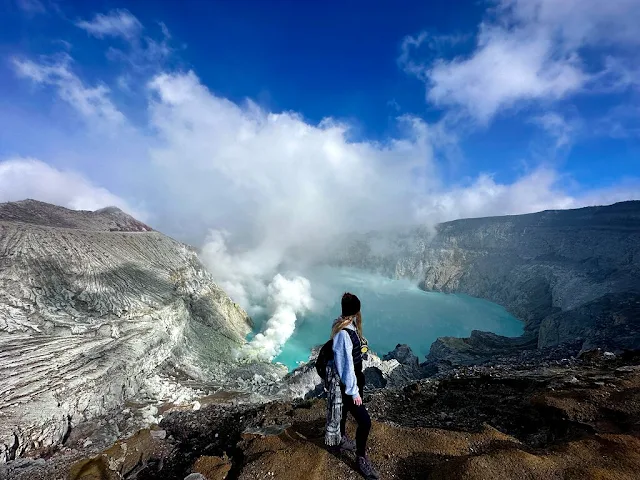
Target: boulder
[(120, 459), (404, 355), (212, 468)]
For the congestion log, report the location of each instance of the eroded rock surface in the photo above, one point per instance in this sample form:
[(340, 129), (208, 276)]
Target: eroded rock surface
[(91, 303)]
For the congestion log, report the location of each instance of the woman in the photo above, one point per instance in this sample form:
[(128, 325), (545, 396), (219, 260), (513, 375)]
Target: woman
[(348, 348)]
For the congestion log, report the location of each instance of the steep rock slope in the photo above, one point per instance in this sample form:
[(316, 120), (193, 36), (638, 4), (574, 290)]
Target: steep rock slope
[(90, 304), (539, 266)]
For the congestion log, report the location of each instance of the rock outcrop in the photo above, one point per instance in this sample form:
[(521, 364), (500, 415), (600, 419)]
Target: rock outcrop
[(397, 368), (478, 348), (571, 274), (91, 304)]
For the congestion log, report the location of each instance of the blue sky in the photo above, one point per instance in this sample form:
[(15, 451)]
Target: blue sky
[(318, 116)]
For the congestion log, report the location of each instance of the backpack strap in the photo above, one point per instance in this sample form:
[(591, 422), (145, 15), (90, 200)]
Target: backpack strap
[(357, 346)]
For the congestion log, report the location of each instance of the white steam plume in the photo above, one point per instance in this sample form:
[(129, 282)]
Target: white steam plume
[(286, 299)]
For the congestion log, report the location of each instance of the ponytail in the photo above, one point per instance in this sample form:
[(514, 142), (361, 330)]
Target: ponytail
[(346, 321)]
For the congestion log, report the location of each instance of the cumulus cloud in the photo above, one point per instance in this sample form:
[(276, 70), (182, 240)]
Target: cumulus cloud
[(528, 50), (22, 178), (274, 177), (116, 23), (92, 103), (505, 69)]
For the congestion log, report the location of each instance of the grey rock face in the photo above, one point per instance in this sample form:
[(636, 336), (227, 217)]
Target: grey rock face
[(478, 348), (403, 354), (611, 322), (539, 266), (91, 303)]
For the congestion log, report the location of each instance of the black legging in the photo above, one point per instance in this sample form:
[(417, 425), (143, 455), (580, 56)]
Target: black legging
[(361, 416)]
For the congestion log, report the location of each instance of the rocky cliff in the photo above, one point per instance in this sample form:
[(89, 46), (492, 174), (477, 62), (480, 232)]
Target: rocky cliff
[(568, 275), (91, 304)]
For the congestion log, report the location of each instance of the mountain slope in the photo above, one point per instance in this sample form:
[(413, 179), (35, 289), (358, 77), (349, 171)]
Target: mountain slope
[(90, 304)]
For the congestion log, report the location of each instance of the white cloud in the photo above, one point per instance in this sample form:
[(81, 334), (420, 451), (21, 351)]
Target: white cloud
[(31, 7), (116, 23), (141, 54), (622, 121), (504, 70), (22, 178), (436, 45), (409, 43), (92, 103), (558, 127), (542, 189), (290, 181), (165, 30), (528, 50), (580, 22)]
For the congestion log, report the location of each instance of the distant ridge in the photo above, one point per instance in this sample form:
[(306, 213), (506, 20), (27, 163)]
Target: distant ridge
[(627, 208), (108, 219)]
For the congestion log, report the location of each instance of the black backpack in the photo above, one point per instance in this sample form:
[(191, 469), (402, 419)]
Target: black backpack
[(325, 355)]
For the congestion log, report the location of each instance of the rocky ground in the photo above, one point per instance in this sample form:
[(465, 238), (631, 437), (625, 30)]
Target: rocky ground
[(564, 419)]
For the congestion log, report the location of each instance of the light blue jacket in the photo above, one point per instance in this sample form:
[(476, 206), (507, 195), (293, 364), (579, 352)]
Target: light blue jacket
[(343, 358)]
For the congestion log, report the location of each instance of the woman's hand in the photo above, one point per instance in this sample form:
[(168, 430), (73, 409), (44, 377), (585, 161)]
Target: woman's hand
[(357, 401)]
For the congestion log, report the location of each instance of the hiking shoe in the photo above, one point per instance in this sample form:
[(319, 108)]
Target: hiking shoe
[(366, 468), (347, 445)]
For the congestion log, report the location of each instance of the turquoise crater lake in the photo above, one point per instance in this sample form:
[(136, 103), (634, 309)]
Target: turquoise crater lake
[(394, 311)]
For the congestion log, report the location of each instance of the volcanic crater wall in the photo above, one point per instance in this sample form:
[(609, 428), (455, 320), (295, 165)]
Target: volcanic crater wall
[(570, 275), (91, 303)]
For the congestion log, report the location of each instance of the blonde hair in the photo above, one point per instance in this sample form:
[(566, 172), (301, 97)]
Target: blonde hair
[(346, 321)]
